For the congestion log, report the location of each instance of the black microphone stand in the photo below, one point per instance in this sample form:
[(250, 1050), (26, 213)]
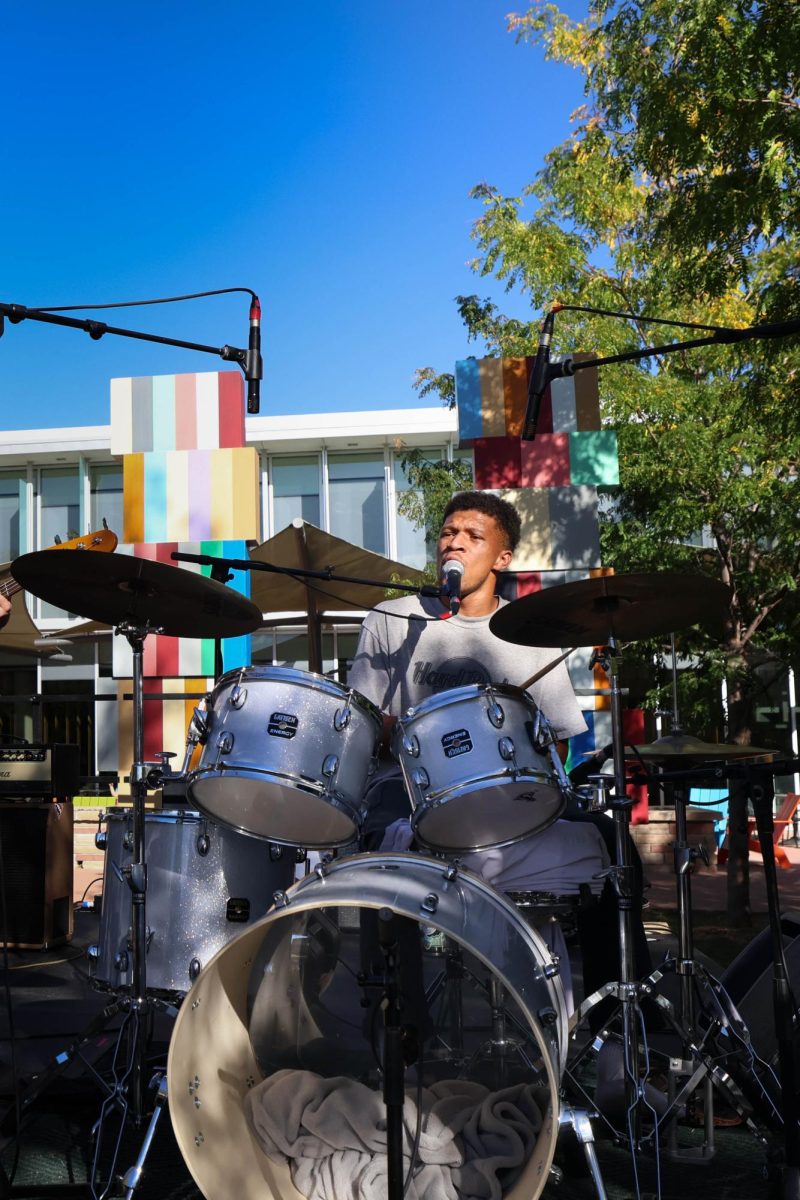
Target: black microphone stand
[(393, 1066), (545, 372), (249, 360)]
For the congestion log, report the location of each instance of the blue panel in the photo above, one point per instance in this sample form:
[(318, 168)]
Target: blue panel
[(468, 399)]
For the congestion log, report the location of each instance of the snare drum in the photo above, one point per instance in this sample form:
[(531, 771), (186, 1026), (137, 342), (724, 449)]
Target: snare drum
[(475, 768), (286, 997), (205, 884), (286, 756)]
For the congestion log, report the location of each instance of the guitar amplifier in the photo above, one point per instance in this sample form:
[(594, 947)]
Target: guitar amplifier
[(38, 770), (36, 841)]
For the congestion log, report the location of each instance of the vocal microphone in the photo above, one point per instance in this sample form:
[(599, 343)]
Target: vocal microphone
[(538, 383), (452, 574), (254, 367)]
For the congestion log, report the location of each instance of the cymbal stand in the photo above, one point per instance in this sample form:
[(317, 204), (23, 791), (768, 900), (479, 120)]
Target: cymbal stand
[(128, 1092), (626, 990)]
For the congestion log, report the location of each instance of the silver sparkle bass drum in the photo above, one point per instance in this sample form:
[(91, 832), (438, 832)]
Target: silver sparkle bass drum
[(477, 767), (276, 1066), (286, 756)]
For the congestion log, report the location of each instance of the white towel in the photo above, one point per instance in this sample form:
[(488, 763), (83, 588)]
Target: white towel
[(332, 1132)]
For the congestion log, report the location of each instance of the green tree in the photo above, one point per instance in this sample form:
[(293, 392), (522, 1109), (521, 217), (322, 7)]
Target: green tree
[(675, 194), (431, 483)]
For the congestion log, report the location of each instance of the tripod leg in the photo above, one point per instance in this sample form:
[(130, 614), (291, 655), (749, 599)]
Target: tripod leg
[(580, 1121), (132, 1177)]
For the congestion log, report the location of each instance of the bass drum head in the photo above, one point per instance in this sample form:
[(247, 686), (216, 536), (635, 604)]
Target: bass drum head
[(292, 1009)]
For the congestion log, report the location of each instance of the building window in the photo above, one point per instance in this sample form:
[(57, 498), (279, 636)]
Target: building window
[(12, 515), (106, 498), (413, 549), (295, 491), (357, 500), (59, 517)]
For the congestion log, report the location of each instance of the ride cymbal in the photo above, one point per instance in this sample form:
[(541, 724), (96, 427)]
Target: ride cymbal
[(121, 589), (683, 745), (625, 607)]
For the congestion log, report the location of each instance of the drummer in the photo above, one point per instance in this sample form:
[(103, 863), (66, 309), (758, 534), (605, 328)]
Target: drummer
[(412, 648)]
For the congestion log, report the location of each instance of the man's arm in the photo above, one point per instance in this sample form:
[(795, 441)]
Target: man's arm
[(5, 609)]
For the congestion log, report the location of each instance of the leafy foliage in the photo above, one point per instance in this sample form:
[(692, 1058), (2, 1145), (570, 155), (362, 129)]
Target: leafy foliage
[(675, 195)]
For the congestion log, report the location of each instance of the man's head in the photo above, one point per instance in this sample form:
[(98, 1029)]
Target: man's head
[(503, 514), (480, 531)]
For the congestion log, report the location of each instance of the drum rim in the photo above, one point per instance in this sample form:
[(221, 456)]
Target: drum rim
[(454, 695), (333, 800), (310, 679), (228, 1004), (451, 849)]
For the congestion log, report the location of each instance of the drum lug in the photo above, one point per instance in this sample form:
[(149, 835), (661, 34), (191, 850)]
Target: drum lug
[(496, 714), (101, 839), (330, 766), (430, 903), (93, 952), (451, 871), (280, 899), (341, 718), (121, 960), (553, 968), (411, 745), (419, 777), (225, 742), (238, 697), (547, 1016), (275, 853), (195, 967), (203, 844), (506, 748)]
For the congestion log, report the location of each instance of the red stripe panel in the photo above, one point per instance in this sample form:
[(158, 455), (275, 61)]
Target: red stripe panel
[(153, 722), (167, 655), (528, 582), (231, 410), (497, 462), (185, 412), (545, 460)]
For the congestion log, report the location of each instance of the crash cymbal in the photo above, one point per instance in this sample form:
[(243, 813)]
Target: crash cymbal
[(626, 607), (119, 588), (683, 745)]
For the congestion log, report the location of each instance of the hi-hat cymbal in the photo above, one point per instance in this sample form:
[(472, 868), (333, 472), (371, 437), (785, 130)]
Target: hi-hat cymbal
[(625, 607), (119, 588), (683, 745)]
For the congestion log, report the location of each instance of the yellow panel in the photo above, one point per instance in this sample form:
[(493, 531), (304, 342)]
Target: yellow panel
[(133, 498), (535, 550), (493, 404), (222, 490), (246, 506)]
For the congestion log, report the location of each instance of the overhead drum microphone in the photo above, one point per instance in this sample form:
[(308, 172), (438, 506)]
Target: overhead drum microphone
[(254, 367), (452, 574)]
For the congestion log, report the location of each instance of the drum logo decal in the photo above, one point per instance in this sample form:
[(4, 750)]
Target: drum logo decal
[(457, 742), (283, 725)]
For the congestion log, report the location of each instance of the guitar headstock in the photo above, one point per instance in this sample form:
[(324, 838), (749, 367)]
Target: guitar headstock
[(101, 539)]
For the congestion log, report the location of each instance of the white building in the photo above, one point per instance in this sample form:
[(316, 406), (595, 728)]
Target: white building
[(340, 471)]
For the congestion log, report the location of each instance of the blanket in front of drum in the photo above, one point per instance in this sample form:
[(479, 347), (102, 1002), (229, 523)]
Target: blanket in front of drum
[(472, 1144)]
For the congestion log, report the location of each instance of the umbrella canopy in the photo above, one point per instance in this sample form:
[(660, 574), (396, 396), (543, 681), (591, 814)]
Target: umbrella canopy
[(20, 633), (301, 546)]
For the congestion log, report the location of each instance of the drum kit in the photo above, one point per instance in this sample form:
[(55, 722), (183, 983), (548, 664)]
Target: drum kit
[(390, 970)]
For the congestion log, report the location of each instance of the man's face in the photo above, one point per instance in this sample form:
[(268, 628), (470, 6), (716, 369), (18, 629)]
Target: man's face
[(478, 542)]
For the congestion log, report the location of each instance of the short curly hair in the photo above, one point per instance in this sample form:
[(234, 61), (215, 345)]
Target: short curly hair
[(504, 514)]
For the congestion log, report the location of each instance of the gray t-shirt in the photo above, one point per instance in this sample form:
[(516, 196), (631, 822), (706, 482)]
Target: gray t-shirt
[(407, 652)]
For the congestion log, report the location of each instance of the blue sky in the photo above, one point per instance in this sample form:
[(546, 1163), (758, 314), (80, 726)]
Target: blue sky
[(321, 154)]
